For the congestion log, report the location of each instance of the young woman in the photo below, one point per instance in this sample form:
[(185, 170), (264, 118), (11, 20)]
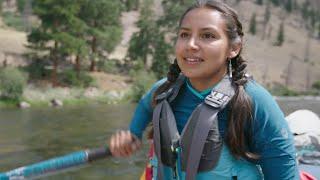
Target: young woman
[(210, 120)]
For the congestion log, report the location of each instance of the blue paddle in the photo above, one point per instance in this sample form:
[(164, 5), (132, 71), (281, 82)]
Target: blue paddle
[(57, 164)]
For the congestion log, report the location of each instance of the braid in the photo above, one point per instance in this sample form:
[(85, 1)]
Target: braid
[(239, 70), (240, 113), (174, 71), (172, 76), (239, 130)]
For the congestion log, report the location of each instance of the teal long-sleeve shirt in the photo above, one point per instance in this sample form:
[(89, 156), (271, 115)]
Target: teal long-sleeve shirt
[(272, 139)]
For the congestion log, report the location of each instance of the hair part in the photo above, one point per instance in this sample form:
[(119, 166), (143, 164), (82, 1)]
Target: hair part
[(238, 136)]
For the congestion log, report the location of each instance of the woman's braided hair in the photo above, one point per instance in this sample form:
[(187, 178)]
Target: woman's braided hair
[(239, 119)]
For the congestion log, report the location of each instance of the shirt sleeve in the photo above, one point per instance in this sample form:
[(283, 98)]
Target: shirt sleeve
[(143, 113), (272, 139)]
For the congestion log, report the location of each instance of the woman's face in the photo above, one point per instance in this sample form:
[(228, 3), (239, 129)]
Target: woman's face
[(202, 46)]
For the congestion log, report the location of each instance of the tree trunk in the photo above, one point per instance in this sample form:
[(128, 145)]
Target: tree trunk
[(77, 66), (55, 65), (307, 49), (5, 61), (93, 49), (289, 73)]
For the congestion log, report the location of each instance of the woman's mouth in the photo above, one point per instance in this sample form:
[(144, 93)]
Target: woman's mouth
[(193, 60)]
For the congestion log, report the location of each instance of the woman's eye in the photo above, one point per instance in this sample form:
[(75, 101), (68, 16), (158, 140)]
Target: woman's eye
[(207, 36), (183, 35)]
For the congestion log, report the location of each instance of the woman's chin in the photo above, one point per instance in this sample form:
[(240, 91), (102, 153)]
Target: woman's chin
[(191, 75)]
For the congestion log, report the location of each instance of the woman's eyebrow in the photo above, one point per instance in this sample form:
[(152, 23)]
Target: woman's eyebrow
[(184, 28), (202, 29), (209, 29)]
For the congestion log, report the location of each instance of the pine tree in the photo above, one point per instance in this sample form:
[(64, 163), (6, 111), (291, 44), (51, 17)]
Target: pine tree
[(307, 48), (313, 19), (319, 29), (288, 5), (1, 2), (259, 2), (280, 36), (172, 14), (20, 5), (150, 41), (132, 5), (252, 25), (305, 9), (266, 19), (295, 5), (104, 30), (275, 2), (27, 12), (141, 43), (160, 59), (58, 19), (267, 14)]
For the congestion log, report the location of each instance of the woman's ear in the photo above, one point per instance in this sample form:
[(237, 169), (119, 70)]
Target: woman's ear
[(234, 50)]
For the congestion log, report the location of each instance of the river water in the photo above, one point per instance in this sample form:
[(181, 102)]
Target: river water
[(31, 135)]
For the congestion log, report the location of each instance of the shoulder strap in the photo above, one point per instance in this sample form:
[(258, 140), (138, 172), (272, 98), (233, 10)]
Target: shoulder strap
[(167, 137), (201, 121), (173, 91)]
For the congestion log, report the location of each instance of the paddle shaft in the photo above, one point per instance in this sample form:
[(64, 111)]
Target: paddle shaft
[(57, 164)]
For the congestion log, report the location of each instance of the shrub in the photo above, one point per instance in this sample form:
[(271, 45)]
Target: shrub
[(142, 82), (37, 70), (108, 66), (13, 20), (70, 78), (316, 85), (12, 83), (281, 90)]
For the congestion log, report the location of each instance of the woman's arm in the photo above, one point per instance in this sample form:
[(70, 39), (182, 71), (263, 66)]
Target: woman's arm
[(125, 143), (143, 113), (272, 139)]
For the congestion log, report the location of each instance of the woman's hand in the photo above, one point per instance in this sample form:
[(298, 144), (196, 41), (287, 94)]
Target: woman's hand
[(124, 144)]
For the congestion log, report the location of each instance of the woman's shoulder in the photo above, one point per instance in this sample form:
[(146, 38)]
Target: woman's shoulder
[(256, 91), (156, 85), (146, 98), (262, 100), (159, 83)]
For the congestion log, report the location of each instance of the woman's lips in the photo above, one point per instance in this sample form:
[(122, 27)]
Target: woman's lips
[(193, 60)]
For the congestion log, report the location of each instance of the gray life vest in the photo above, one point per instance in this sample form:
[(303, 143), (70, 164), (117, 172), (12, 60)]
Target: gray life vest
[(200, 141)]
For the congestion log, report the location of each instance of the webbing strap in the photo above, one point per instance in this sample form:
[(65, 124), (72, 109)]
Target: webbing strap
[(173, 91), (176, 87), (205, 121), (206, 118), (156, 136)]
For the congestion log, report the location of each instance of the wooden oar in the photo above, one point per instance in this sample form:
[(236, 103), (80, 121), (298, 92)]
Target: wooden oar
[(57, 164)]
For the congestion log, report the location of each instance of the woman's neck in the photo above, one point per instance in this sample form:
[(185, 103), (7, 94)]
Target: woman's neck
[(201, 84)]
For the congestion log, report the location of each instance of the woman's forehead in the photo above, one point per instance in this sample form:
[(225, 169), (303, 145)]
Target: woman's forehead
[(203, 18)]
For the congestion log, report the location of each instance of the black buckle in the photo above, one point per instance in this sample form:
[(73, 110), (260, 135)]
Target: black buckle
[(175, 144), (216, 99)]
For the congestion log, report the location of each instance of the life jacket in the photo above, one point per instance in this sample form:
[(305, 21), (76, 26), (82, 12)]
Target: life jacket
[(200, 142)]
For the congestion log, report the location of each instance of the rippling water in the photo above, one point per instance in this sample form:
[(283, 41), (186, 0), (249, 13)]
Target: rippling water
[(36, 134)]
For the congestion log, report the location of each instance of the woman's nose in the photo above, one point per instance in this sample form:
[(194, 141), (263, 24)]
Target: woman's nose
[(193, 44)]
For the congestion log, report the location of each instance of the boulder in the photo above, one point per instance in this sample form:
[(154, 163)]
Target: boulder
[(24, 105), (303, 121), (56, 102)]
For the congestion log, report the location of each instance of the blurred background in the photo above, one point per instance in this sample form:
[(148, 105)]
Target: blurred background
[(93, 59)]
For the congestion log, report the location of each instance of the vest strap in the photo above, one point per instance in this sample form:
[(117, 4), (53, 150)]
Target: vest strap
[(200, 142), (206, 118), (156, 137), (173, 91)]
